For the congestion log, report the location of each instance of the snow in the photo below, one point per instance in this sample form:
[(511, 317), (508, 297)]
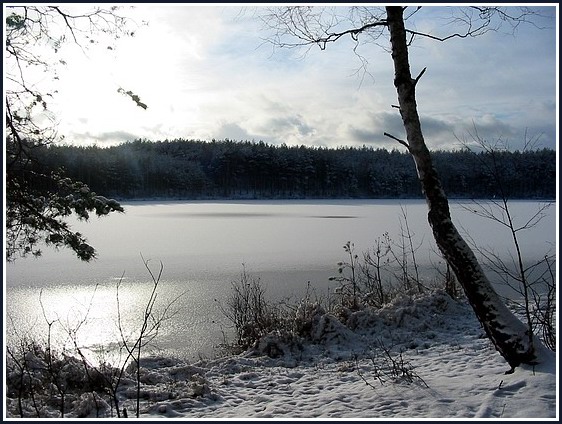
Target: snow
[(442, 366)]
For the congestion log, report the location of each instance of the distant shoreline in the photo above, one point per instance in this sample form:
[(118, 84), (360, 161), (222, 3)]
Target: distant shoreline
[(236, 198), (192, 170)]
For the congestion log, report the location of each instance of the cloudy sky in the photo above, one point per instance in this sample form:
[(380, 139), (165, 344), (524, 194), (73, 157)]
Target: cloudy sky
[(205, 72)]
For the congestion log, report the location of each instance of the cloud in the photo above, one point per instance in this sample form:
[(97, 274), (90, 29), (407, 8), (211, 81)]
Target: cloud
[(371, 131), (289, 126), (106, 138), (233, 131), (444, 133), (291, 129), (205, 73)]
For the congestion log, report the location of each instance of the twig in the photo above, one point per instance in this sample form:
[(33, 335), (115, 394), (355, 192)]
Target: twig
[(361, 375), (402, 142), (420, 75)]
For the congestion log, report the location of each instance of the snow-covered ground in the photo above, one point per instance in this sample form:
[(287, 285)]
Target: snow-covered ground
[(424, 357)]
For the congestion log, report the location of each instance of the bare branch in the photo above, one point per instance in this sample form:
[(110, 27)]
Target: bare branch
[(419, 76), (402, 142), (307, 26)]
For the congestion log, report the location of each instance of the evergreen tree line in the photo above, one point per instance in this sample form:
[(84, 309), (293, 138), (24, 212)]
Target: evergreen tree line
[(194, 169)]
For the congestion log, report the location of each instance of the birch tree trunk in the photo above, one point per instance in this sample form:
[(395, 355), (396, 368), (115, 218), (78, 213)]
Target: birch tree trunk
[(511, 337)]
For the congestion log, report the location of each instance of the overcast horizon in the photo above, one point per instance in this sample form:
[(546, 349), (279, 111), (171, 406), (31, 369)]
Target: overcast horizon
[(206, 73)]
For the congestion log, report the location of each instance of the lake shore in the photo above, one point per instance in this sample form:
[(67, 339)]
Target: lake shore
[(204, 246)]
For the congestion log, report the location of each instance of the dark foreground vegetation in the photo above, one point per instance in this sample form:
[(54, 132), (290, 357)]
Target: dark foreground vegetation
[(193, 169)]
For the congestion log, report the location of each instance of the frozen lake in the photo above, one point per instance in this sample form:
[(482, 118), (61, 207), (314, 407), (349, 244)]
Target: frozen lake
[(203, 246)]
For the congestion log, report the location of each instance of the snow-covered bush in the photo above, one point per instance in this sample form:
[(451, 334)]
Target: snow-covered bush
[(91, 405), (277, 344), (331, 330), (42, 381), (252, 315), (307, 315)]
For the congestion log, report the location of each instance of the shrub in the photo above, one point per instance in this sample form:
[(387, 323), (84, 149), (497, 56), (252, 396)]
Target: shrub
[(251, 314), (37, 376)]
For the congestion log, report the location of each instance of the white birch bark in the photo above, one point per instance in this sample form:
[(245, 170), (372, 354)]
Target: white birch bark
[(509, 335)]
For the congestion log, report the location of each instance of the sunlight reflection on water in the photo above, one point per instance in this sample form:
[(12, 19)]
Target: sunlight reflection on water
[(89, 315)]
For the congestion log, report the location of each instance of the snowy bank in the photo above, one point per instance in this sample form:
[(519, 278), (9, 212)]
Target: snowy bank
[(420, 357)]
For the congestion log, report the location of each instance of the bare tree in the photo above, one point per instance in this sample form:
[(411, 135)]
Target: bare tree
[(531, 281), (298, 26), (152, 321)]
